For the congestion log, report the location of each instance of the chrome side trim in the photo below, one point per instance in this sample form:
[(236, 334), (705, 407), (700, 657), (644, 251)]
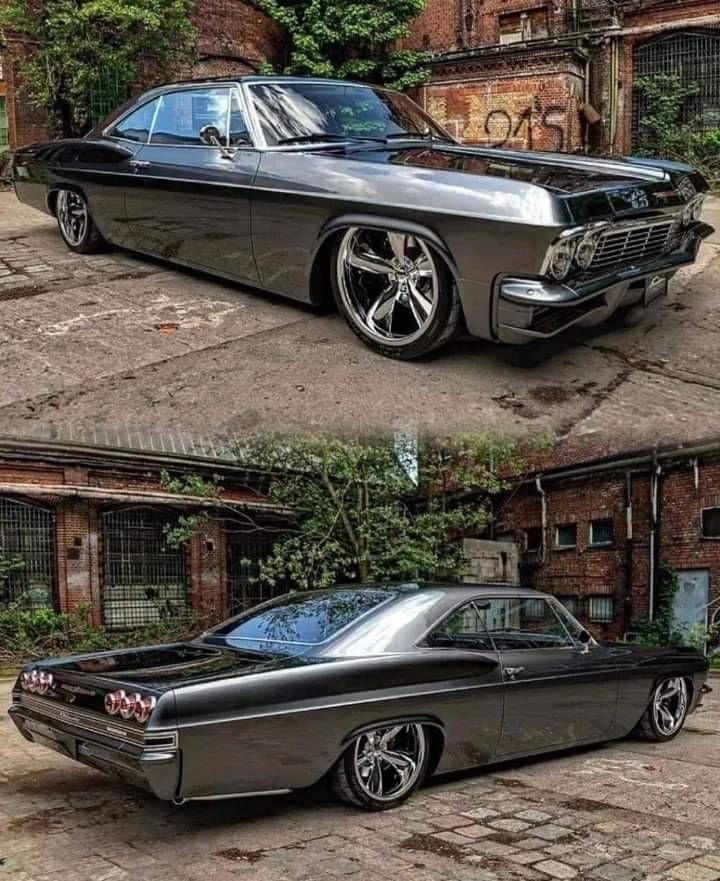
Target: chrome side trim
[(87, 720), (183, 799)]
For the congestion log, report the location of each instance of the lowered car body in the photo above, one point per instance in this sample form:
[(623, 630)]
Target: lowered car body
[(379, 685), (282, 183)]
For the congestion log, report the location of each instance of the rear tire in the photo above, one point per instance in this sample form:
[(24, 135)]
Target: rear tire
[(382, 768), (666, 713), (76, 225)]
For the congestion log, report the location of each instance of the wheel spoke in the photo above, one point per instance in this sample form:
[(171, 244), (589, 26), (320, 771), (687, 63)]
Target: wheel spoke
[(419, 304), (369, 262), (398, 243), (390, 735), (376, 779), (381, 312), (404, 765)]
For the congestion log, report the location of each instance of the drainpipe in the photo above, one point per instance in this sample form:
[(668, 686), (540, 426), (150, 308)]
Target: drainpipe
[(543, 516), (654, 534), (627, 599)]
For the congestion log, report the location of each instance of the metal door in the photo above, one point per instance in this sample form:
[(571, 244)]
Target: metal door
[(691, 600)]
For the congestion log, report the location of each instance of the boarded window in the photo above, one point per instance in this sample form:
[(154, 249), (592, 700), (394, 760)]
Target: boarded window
[(711, 523), (566, 535), (601, 532)]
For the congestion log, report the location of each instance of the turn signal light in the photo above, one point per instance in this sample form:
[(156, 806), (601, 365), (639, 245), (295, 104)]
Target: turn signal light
[(130, 706)]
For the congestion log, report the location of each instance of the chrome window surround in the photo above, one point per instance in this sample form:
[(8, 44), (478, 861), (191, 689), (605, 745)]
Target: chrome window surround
[(192, 87), (87, 720)]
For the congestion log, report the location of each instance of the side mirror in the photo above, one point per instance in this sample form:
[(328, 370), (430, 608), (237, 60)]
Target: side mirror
[(584, 637), (210, 136)]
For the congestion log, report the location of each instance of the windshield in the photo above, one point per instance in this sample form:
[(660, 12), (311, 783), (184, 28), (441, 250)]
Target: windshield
[(298, 621), (297, 111)]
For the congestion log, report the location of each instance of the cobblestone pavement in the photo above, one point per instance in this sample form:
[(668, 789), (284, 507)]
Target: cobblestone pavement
[(115, 341), (626, 812)]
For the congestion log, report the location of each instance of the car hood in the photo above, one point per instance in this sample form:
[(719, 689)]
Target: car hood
[(591, 187)]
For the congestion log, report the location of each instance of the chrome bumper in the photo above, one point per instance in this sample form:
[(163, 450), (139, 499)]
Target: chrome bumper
[(527, 309), (148, 759)]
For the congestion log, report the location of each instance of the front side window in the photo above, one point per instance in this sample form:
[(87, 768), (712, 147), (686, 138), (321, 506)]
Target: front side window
[(136, 125), (184, 114), (298, 111), (524, 623), (463, 628), (298, 621)]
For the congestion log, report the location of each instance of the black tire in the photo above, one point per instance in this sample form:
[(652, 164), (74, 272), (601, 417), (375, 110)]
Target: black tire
[(443, 327), (650, 727), (90, 241), (347, 786)]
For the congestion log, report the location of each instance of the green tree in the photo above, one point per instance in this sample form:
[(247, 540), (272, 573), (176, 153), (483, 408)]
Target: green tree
[(79, 47), (370, 511), (350, 39), (9, 565)]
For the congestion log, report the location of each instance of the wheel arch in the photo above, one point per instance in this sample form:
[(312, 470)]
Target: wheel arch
[(435, 729), (320, 268), (54, 192)]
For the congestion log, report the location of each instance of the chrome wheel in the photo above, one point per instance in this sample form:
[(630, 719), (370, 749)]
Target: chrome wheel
[(389, 284), (72, 216), (388, 761), (670, 705)]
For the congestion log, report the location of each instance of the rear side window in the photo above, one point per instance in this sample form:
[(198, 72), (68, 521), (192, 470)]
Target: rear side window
[(183, 115), (136, 126)]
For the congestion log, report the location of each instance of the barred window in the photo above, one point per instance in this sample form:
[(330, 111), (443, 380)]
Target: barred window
[(601, 608)]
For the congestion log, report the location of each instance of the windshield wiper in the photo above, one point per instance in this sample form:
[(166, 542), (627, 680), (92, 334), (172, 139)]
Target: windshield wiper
[(418, 136), (319, 137)]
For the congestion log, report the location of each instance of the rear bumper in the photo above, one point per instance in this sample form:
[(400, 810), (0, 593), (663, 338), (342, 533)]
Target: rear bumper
[(150, 760), (527, 309)]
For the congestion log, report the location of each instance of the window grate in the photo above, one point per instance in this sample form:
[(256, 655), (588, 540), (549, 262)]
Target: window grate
[(246, 551), (27, 534), (145, 579), (693, 57)]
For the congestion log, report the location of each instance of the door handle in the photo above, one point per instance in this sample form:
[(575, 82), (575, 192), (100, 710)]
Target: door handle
[(136, 164), (512, 672)]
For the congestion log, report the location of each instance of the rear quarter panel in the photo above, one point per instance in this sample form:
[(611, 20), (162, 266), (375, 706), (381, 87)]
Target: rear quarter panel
[(285, 729)]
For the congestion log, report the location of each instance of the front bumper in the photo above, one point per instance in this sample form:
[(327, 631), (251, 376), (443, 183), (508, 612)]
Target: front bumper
[(527, 309), (148, 759)]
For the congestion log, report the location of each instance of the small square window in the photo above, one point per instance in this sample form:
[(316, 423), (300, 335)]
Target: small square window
[(566, 535), (711, 523), (534, 610), (571, 603), (601, 532), (533, 538), (601, 609)]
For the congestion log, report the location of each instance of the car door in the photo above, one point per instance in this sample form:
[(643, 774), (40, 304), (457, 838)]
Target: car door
[(189, 199), (558, 691), (471, 709)]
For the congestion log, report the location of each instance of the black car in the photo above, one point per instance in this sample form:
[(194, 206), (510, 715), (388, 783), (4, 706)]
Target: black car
[(306, 186), (378, 686)]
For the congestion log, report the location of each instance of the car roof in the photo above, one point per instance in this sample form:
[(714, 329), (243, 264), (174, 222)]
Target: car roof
[(258, 78), (457, 589)]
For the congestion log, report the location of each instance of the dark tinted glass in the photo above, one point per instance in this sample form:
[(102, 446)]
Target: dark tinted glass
[(711, 522), (566, 535), (601, 532), (300, 619), (184, 114), (296, 110), (136, 126)]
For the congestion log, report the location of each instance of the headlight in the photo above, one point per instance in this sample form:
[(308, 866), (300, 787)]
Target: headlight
[(561, 258), (586, 251)]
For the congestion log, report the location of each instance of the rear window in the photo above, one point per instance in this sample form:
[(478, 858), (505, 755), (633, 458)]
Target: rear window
[(300, 620)]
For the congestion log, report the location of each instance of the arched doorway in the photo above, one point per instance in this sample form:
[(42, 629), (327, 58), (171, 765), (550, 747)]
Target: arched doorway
[(27, 540), (694, 58)]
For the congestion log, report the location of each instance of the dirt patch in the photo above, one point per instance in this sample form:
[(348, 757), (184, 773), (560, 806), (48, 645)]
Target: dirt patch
[(507, 781), (552, 394), (431, 844), (235, 855), (584, 804)]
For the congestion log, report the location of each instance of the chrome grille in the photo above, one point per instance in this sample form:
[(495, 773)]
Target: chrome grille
[(634, 244)]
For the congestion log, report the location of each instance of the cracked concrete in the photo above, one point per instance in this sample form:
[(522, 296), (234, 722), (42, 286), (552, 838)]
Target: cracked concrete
[(114, 340)]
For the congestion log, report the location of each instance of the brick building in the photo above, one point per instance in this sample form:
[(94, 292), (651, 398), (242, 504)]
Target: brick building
[(88, 523), (233, 38), (559, 74), (594, 532)]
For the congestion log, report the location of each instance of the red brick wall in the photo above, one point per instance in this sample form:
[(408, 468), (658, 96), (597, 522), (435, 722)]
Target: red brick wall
[(26, 124), (515, 102)]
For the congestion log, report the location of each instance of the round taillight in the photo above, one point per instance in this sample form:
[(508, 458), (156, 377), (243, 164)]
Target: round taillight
[(113, 701), (127, 704), (25, 681), (34, 685), (143, 708), (45, 681)]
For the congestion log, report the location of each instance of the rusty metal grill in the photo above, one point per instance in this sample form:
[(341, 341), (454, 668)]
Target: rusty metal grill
[(27, 535), (245, 553), (692, 57), (145, 579), (634, 244)]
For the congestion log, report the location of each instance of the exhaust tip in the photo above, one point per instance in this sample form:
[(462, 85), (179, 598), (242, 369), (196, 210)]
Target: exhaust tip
[(178, 801)]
